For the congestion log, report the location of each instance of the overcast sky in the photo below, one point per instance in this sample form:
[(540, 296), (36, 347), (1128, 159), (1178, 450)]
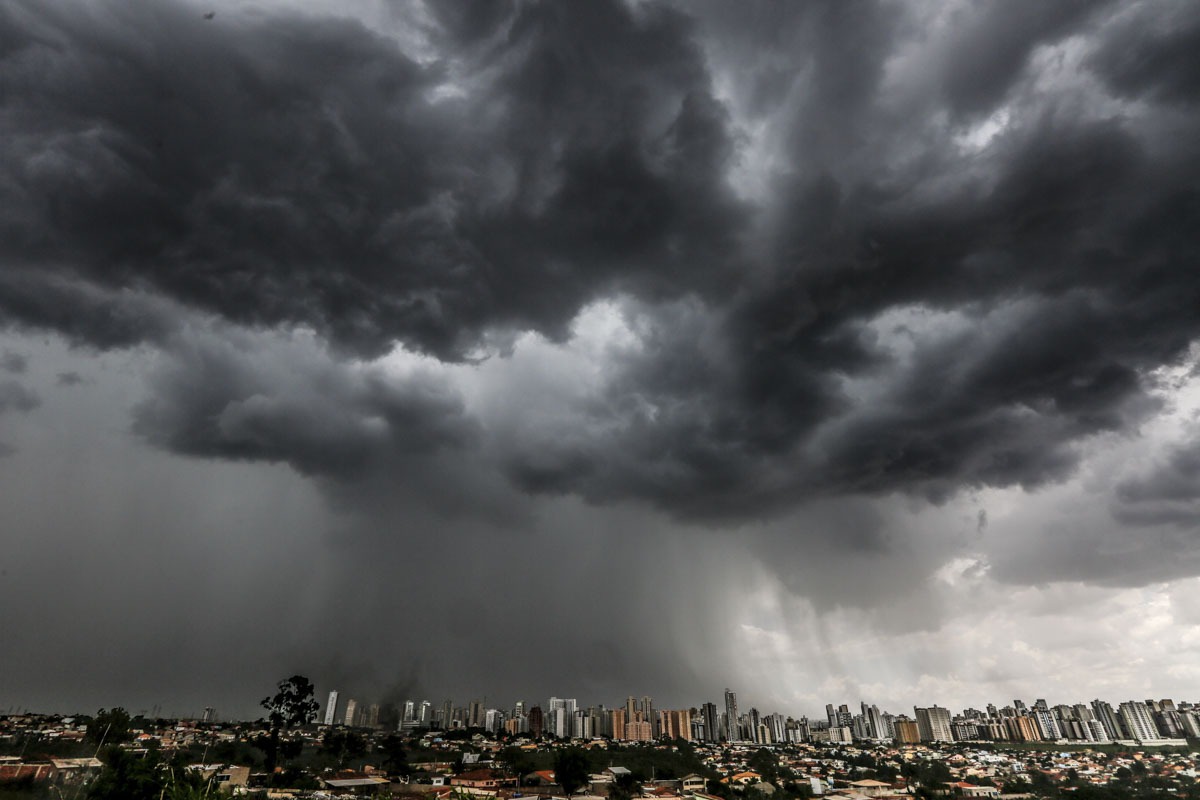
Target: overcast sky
[(824, 351)]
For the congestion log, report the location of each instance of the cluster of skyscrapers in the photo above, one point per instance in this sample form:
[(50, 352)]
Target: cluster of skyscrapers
[(638, 721)]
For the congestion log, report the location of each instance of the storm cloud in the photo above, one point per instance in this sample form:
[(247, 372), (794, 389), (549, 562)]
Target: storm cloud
[(795, 284)]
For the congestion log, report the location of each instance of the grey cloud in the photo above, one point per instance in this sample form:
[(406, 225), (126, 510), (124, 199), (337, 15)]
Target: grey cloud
[(1166, 494), (88, 315), (1070, 267), (70, 378), (296, 172), (993, 45), (1152, 55), (279, 401), (13, 362), (15, 397), (299, 170)]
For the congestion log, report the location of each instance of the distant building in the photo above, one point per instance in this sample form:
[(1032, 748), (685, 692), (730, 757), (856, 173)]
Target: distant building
[(536, 722), (1138, 721), (731, 716), (712, 726), (331, 708), (224, 777), (907, 731), (934, 724)]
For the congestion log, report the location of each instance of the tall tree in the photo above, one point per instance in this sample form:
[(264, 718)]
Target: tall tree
[(110, 726), (571, 769), (292, 706)]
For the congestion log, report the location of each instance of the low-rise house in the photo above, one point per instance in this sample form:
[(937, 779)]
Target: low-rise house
[(224, 777), (482, 779)]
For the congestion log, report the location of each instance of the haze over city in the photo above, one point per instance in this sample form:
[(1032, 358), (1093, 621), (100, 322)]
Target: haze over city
[(829, 351)]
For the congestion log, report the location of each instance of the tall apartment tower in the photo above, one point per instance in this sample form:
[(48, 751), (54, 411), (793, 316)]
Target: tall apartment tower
[(934, 724), (712, 726), (731, 715), (1138, 721), (478, 714), (331, 708), (536, 722), (351, 707)]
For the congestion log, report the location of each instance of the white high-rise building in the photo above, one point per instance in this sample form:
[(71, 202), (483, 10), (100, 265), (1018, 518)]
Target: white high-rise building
[(351, 707), (560, 717), (331, 708), (1138, 721), (933, 723), (1047, 724)]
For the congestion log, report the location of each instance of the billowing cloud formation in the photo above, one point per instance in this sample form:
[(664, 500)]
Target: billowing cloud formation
[(530, 160), (787, 271)]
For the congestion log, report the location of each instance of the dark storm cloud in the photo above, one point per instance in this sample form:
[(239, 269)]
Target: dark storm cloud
[(993, 44), (1167, 494), (306, 173), (83, 312), (1073, 267), (228, 399), (1153, 55), (301, 170)]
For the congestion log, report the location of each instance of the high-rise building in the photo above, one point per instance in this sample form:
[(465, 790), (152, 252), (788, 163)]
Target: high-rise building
[(676, 724), (536, 722), (561, 717), (351, 707), (648, 715), (907, 730), (712, 729), (331, 708), (1047, 724), (934, 724), (1138, 721), (873, 722), (1113, 727), (583, 725), (475, 716), (731, 716), (1021, 729), (619, 716)]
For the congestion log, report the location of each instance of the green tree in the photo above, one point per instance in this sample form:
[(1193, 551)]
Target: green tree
[(766, 764), (625, 787), (290, 707), (516, 762), (343, 745), (395, 756), (110, 726), (127, 776), (571, 769)]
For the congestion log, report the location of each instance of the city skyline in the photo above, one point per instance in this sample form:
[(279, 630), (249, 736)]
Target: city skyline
[(819, 349), (1130, 719)]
